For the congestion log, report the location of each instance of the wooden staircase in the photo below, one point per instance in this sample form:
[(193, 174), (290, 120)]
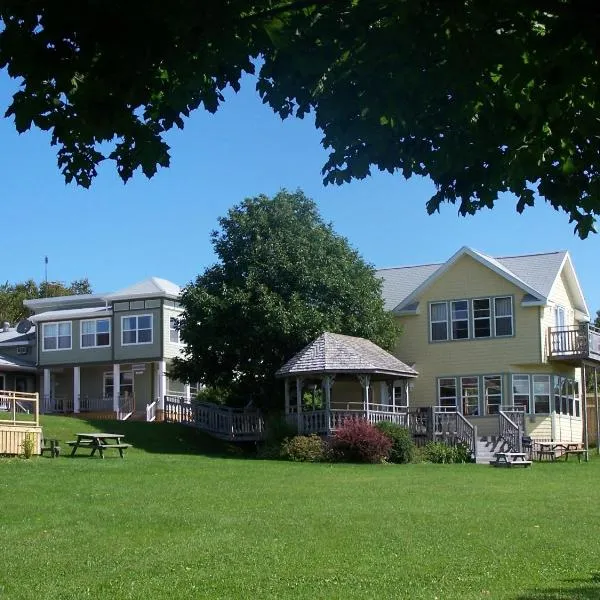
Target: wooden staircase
[(487, 446)]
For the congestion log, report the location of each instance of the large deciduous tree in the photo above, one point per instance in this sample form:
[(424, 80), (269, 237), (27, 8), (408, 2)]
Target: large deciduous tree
[(282, 278), (13, 294), (483, 97)]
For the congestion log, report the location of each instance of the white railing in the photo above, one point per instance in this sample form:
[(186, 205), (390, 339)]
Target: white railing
[(57, 404), (19, 408), (326, 421), (126, 407), (151, 411), (95, 403), (220, 421)]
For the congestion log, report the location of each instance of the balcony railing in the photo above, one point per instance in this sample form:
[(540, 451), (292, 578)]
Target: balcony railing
[(574, 342)]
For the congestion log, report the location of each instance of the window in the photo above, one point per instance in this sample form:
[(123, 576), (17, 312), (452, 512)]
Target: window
[(125, 384), (576, 398), (447, 392), (22, 350), (503, 319), (56, 336), (136, 330), (492, 385), (439, 321), (541, 393), (95, 333), (460, 320), (469, 387), (174, 330), (521, 392), (482, 318)]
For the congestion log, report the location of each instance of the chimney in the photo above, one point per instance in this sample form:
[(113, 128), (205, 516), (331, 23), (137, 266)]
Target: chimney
[(5, 326)]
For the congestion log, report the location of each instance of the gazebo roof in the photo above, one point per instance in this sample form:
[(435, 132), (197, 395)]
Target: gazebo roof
[(335, 353)]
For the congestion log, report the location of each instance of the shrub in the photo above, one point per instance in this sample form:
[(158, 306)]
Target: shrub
[(28, 445), (403, 447), (303, 448), (438, 452), (277, 429), (358, 441), (213, 395)]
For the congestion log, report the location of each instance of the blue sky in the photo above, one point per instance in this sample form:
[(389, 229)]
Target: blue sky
[(117, 234)]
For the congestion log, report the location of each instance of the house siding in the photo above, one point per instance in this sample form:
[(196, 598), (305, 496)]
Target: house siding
[(170, 350), (138, 352), (467, 279)]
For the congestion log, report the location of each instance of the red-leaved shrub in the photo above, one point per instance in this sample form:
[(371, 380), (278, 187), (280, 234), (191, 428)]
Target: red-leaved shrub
[(358, 441)]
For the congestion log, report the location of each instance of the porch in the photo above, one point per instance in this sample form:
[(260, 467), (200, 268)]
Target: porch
[(574, 343), (113, 391)]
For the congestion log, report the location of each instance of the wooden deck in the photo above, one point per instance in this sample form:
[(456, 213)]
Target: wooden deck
[(19, 417)]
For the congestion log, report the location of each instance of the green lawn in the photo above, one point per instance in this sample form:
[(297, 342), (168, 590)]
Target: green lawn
[(174, 521)]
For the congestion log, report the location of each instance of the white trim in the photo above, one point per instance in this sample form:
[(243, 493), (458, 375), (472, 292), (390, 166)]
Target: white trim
[(57, 323), (512, 317), (81, 334), (482, 259), (445, 321), (137, 329), (489, 318), (453, 320), (572, 277), (178, 331)]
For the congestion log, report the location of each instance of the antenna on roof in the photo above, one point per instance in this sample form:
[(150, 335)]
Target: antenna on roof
[(46, 274)]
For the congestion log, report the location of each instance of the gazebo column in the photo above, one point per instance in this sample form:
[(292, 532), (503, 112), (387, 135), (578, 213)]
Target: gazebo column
[(327, 384), (286, 383), (365, 381), (299, 403)]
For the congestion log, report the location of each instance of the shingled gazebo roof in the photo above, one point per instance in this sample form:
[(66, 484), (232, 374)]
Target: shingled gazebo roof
[(335, 353)]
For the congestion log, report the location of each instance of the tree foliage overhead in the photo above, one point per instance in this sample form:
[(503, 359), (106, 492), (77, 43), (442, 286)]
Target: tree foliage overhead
[(283, 277), (13, 294), (483, 97)]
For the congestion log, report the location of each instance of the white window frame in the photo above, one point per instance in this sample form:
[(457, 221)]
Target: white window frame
[(439, 394), (486, 396), (548, 379), (109, 375), (175, 330), (463, 398), (489, 318), (95, 334), (44, 336), (512, 317), (522, 377), (445, 321), (453, 320), (137, 329)]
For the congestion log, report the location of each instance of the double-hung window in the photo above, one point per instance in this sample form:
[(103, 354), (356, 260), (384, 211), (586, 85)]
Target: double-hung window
[(469, 389), (136, 330), (56, 336), (541, 393), (482, 318), (95, 333), (492, 385), (460, 319), (521, 392), (447, 392), (438, 317), (174, 336), (503, 316)]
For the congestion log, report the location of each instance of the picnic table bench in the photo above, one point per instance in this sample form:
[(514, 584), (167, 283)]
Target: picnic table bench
[(510, 459), (51, 446), (550, 450), (99, 442)]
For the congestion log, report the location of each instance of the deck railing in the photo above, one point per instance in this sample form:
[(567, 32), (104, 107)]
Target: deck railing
[(220, 421), (574, 341), (510, 432), (95, 404), (19, 408), (451, 427), (151, 411), (56, 404)]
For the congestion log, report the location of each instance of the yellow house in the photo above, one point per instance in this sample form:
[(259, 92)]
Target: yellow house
[(496, 339)]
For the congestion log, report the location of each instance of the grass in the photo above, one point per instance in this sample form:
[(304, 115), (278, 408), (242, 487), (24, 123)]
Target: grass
[(183, 517)]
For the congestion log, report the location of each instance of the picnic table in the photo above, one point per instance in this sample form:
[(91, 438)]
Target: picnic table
[(510, 459), (550, 449), (99, 442)]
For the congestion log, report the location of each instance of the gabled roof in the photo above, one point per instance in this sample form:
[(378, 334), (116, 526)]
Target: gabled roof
[(535, 274), (149, 288), (336, 353)]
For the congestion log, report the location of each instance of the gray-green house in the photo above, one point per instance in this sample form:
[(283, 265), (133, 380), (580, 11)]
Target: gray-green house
[(109, 353), (17, 359)]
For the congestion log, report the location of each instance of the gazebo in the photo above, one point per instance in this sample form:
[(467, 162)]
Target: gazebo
[(339, 376)]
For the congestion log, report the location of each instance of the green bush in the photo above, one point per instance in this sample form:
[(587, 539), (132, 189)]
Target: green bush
[(303, 448), (277, 429), (403, 447), (28, 445), (438, 452), (213, 395)]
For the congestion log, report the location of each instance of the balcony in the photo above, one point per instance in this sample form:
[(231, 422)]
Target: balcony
[(574, 343)]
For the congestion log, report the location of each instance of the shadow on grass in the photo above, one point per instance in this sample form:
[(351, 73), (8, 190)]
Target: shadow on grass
[(574, 589), (171, 438)]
